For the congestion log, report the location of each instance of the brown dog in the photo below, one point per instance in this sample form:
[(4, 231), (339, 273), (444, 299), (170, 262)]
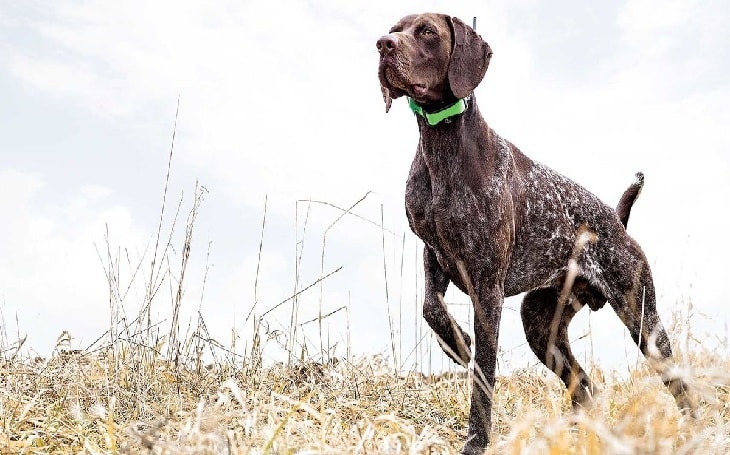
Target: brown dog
[(496, 223)]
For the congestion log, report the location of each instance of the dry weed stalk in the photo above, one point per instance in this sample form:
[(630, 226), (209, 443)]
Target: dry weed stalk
[(123, 394), (71, 404)]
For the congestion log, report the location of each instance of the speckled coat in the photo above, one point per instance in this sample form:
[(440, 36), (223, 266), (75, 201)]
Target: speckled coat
[(496, 223)]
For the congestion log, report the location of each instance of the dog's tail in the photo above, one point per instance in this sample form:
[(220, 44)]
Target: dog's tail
[(623, 209)]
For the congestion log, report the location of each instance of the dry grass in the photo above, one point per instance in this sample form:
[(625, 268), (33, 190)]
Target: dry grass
[(78, 403), (142, 387)]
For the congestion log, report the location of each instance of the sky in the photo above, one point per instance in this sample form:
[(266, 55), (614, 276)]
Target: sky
[(279, 113)]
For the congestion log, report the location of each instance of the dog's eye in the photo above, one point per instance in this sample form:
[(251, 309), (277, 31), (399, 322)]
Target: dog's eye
[(428, 32)]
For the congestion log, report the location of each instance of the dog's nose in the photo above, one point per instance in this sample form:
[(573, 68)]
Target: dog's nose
[(387, 44)]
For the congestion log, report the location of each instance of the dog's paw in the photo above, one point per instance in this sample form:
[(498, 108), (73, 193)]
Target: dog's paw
[(458, 348), (475, 445)]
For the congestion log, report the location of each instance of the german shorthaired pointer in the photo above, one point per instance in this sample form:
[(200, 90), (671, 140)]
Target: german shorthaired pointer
[(496, 223)]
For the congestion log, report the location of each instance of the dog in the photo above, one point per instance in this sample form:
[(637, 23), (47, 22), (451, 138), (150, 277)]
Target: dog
[(496, 223)]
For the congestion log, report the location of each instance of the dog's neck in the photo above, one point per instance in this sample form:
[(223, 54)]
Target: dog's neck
[(441, 144)]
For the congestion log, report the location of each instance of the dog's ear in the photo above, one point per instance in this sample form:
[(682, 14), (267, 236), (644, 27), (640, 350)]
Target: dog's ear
[(469, 58)]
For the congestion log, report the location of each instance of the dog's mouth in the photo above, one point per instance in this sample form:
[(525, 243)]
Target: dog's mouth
[(419, 91)]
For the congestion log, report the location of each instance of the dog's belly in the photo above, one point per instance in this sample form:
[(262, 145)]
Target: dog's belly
[(537, 264), (537, 258)]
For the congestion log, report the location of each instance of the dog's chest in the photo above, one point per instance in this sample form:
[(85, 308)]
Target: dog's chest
[(450, 218)]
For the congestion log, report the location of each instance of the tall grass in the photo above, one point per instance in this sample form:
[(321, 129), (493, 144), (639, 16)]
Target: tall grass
[(151, 385)]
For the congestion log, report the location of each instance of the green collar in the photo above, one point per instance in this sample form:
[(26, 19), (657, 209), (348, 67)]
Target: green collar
[(434, 118)]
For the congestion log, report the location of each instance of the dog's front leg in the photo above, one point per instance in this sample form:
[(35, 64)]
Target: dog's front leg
[(453, 340), (487, 301)]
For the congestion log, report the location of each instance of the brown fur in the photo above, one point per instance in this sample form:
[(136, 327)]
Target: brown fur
[(496, 223)]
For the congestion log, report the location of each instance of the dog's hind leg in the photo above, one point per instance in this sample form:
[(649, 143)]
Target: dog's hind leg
[(547, 335), (451, 337), (636, 307)]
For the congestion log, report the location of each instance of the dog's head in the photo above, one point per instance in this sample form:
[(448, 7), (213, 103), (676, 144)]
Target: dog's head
[(433, 58)]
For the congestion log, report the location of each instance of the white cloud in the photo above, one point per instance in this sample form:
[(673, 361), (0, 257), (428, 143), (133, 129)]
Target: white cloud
[(50, 274)]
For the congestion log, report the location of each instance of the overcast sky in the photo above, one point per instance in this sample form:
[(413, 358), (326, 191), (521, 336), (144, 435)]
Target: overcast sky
[(279, 101)]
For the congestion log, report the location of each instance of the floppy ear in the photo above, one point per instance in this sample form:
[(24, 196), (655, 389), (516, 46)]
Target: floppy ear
[(469, 58)]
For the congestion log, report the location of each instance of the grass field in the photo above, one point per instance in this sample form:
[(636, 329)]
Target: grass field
[(143, 388), (130, 400)]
